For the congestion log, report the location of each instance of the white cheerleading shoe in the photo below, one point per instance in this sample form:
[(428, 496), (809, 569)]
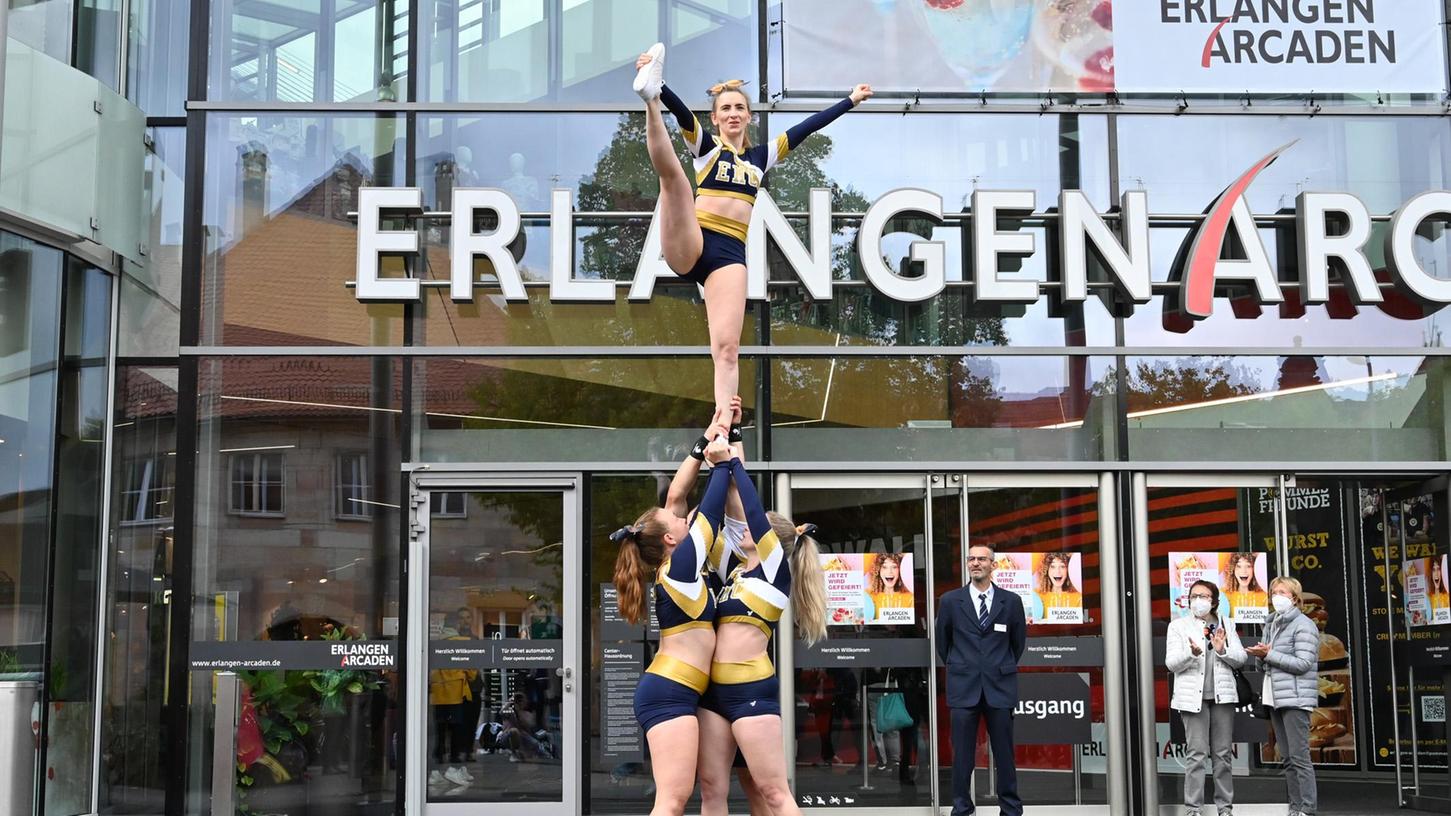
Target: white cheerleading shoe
[(651, 77)]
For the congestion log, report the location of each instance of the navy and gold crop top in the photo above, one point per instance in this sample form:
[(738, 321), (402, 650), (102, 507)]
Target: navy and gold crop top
[(759, 595), (682, 596), (721, 170)]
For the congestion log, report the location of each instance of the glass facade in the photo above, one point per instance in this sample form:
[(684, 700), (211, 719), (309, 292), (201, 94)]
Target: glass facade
[(267, 548)]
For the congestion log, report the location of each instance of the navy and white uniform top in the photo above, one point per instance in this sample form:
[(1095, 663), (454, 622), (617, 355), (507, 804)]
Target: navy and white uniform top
[(683, 598), (721, 170), (759, 595)]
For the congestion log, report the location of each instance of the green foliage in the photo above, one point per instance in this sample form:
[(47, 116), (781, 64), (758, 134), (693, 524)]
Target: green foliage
[(1158, 383), (290, 706)]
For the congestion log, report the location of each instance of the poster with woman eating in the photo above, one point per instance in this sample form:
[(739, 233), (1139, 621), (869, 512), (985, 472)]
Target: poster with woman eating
[(1240, 576), (1050, 584), (1428, 601), (869, 588)]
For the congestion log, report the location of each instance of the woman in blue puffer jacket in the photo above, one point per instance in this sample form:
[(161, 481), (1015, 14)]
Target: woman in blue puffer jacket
[(1289, 655)]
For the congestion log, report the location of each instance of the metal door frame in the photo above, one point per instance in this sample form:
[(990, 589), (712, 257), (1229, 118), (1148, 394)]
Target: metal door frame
[(963, 482), (422, 482), (786, 483), (1407, 795), (1142, 607)]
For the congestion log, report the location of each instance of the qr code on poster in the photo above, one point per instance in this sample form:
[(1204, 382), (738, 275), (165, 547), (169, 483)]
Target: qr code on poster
[(1433, 709)]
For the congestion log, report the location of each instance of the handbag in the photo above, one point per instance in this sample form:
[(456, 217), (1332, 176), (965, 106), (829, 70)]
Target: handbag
[(892, 713)]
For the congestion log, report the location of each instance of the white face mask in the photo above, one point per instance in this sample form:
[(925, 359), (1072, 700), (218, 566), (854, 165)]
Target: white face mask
[(1281, 603), (1199, 606)]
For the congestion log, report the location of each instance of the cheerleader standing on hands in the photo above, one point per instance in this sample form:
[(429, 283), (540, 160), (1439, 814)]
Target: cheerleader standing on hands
[(703, 230)]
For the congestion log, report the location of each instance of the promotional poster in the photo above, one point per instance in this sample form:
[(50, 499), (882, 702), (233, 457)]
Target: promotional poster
[(1394, 536), (868, 588), (1242, 578), (1428, 603), (1050, 584), (1127, 46)]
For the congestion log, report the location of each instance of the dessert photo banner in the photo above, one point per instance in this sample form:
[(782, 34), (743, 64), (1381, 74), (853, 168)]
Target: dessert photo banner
[(1128, 46), (1242, 578), (1050, 584), (871, 589)]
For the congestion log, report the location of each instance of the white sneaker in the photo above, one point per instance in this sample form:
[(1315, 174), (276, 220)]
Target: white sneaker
[(456, 776), (465, 773), (435, 778), (651, 77)]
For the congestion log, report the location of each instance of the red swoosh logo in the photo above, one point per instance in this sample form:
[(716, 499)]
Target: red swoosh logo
[(1209, 43), (1198, 291)]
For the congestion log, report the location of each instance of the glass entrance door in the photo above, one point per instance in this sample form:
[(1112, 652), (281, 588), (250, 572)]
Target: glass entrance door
[(892, 545), (1227, 530), (1406, 526), (863, 725), (1048, 532), (493, 645)]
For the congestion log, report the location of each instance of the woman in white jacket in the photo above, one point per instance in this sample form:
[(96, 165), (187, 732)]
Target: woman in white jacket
[(1202, 652)]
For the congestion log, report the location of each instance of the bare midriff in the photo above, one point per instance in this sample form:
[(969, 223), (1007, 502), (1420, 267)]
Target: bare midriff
[(732, 208), (738, 642), (693, 646)]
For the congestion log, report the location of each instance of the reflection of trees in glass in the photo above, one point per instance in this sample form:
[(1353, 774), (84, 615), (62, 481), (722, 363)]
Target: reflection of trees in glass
[(537, 516), (1163, 383)]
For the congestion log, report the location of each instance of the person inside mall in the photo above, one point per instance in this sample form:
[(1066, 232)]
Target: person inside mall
[(1202, 651), (1289, 654), (982, 631)]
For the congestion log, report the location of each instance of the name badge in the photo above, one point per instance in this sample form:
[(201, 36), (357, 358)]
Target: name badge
[(1000, 627)]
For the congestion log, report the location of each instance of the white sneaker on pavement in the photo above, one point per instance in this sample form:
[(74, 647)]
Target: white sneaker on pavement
[(456, 776)]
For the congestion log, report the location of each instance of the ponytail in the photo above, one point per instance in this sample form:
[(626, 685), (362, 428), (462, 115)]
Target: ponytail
[(808, 580), (808, 590), (642, 549), (630, 581)]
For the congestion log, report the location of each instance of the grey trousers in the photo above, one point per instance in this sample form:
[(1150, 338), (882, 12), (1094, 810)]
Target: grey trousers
[(1209, 741), (1292, 732)]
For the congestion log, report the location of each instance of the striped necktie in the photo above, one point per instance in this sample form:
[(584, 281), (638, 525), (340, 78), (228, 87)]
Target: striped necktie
[(982, 611)]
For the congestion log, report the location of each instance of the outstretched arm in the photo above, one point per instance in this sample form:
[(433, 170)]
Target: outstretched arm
[(689, 555), (797, 133), (695, 136), (734, 510)]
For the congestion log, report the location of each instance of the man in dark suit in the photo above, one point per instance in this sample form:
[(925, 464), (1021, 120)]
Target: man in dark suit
[(981, 634)]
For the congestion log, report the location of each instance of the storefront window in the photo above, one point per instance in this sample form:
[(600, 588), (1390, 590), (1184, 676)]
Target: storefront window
[(151, 289), (98, 41), (1286, 409), (348, 51), (941, 409), (861, 316), (543, 410), (579, 50), (280, 247), (157, 56), (81, 423), (139, 573), (277, 567), (44, 26), (953, 156), (852, 740)]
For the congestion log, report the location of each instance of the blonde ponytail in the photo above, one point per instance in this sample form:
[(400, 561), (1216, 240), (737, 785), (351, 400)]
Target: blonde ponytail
[(808, 580)]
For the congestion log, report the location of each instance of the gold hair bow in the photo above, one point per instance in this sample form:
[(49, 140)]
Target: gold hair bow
[(729, 85)]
